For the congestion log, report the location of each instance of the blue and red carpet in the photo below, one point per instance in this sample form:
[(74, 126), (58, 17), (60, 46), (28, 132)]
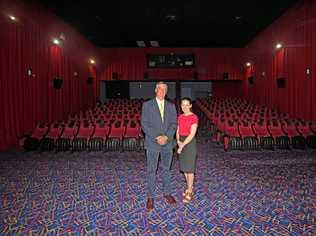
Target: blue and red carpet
[(236, 193)]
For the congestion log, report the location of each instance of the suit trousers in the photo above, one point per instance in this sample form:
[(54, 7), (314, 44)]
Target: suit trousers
[(152, 163)]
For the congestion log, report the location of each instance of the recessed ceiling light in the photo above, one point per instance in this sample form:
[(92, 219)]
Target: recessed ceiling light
[(154, 43), (141, 44), (99, 18), (171, 17), (56, 41), (12, 17), (308, 71), (248, 64), (278, 46)]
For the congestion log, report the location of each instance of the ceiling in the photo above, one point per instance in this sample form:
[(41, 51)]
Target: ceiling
[(173, 23)]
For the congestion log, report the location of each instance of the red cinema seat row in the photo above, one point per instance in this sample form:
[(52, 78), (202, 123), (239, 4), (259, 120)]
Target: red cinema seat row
[(55, 131), (249, 138), (64, 142), (114, 142), (297, 140), (232, 138), (261, 131), (82, 138), (132, 136), (32, 142)]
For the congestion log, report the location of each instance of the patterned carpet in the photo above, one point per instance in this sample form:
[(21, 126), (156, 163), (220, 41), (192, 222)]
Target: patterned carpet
[(237, 193)]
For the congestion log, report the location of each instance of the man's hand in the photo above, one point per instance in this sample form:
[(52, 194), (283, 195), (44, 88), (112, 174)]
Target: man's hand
[(162, 140)]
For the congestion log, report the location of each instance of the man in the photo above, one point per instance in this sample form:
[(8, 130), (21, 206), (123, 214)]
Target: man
[(159, 123)]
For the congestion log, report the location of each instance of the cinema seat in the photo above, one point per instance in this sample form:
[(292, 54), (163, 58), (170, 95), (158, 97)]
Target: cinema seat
[(131, 136)]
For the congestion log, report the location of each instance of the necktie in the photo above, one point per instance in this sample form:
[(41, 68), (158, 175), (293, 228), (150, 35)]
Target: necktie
[(161, 109)]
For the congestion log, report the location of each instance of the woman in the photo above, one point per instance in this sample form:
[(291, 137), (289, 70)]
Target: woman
[(187, 127)]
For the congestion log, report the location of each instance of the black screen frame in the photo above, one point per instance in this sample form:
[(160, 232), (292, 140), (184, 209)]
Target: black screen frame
[(175, 55)]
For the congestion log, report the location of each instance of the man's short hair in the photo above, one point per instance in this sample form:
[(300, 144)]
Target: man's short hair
[(161, 82)]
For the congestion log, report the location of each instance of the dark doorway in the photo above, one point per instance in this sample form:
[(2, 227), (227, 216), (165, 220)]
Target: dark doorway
[(117, 89)]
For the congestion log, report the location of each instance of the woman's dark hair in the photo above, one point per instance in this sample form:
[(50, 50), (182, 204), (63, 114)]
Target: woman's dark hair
[(186, 99)]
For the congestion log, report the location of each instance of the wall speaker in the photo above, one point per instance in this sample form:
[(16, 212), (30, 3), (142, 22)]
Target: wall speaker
[(251, 80), (280, 83), (115, 76), (57, 83), (90, 80), (196, 76), (225, 76), (145, 75)]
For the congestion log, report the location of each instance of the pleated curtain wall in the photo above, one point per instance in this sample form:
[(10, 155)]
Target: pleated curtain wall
[(26, 43), (296, 31)]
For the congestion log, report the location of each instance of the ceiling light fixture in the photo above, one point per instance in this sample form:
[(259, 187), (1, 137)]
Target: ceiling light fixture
[(56, 41), (141, 44), (278, 46), (12, 17), (171, 18), (308, 71), (154, 44)]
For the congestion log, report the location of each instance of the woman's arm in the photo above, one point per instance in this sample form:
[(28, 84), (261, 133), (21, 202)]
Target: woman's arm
[(188, 139), (178, 138), (177, 134)]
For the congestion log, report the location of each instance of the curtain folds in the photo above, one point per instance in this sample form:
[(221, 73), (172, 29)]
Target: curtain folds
[(296, 30), (27, 44)]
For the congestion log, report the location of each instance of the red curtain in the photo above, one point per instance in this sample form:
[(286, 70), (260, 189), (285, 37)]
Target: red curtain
[(224, 89), (296, 30), (27, 43)]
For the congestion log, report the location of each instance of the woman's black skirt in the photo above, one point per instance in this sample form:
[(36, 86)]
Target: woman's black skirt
[(187, 157)]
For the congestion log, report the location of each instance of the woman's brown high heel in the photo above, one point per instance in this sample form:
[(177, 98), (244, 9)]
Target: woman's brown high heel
[(188, 197)]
